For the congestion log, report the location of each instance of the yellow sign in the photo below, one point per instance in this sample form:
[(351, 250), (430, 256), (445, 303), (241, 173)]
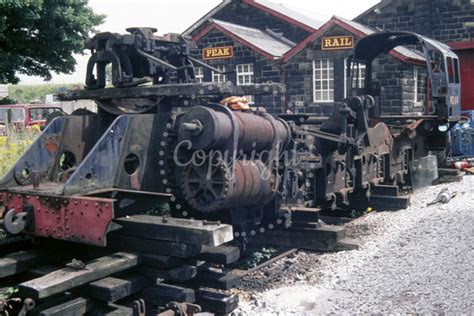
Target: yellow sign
[(337, 42), (218, 52)]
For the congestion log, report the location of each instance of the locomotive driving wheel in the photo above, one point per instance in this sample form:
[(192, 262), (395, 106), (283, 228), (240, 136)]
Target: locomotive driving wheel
[(206, 186)]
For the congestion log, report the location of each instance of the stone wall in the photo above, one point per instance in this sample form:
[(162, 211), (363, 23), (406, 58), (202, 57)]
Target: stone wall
[(444, 20), (264, 69), (397, 81), (396, 78), (299, 76)]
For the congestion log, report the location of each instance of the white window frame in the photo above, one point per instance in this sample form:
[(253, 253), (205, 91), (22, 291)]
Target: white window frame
[(321, 71), (199, 74), (245, 76), (244, 73), (361, 77), (217, 77)]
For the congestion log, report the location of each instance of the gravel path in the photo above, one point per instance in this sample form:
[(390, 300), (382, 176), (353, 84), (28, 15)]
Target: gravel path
[(418, 260)]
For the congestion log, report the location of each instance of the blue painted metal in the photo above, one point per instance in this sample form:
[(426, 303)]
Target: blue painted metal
[(99, 168), (73, 134), (462, 139), (104, 168)]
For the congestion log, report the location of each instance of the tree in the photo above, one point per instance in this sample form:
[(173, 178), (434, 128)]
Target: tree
[(41, 36), (8, 100)]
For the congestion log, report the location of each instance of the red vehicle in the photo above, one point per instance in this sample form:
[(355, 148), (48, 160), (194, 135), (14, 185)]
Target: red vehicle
[(26, 115)]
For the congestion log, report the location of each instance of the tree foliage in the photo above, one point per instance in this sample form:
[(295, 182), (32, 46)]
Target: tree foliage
[(8, 100), (38, 37)]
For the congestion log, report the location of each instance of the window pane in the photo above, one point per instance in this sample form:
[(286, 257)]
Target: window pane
[(198, 73), (449, 61), (323, 80), (244, 74), (456, 70)]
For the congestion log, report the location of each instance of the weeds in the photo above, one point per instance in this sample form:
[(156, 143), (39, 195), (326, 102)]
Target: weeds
[(7, 293), (13, 146)]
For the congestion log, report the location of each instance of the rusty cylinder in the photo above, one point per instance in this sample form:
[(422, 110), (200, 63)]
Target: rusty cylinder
[(243, 183), (208, 129), (254, 184)]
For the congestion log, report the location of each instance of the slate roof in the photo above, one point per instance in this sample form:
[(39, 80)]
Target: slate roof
[(277, 10), (263, 42), (280, 8)]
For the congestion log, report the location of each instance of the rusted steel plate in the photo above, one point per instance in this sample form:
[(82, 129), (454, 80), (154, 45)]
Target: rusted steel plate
[(79, 219)]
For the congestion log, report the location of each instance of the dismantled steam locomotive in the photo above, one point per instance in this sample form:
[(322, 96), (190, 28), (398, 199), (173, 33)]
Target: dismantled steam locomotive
[(160, 137)]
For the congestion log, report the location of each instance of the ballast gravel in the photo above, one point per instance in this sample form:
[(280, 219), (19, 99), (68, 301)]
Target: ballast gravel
[(418, 260)]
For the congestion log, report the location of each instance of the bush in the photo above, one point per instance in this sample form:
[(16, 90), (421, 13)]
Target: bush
[(29, 93)]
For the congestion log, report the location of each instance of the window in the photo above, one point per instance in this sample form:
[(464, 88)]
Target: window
[(453, 69), (245, 77), (217, 77), (456, 70), (199, 74), (244, 74), (323, 78), (38, 114), (358, 79), (17, 115)]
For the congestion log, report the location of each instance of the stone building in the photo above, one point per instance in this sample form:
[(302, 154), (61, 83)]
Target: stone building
[(316, 72), (448, 21), (256, 41)]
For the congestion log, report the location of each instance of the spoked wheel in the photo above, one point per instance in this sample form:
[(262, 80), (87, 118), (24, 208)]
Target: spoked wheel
[(206, 186)]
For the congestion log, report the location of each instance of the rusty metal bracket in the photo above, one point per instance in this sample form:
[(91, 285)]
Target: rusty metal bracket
[(138, 307), (180, 309), (28, 305), (16, 306)]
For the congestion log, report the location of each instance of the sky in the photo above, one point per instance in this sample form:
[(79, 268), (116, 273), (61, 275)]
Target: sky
[(176, 16)]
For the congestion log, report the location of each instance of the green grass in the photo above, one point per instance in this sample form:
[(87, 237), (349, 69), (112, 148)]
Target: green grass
[(12, 147)]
